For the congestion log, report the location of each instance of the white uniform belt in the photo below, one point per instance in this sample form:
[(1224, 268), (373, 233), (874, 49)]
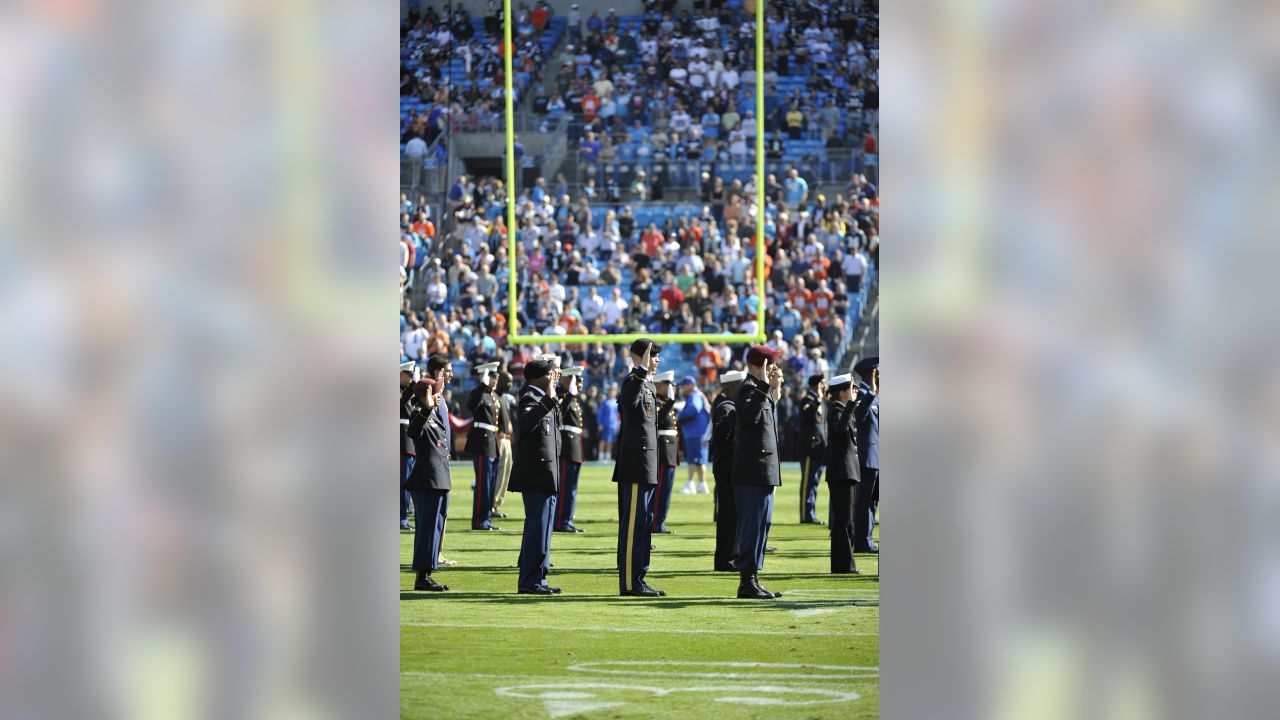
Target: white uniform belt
[(672, 433), (571, 429), (483, 426), (404, 421)]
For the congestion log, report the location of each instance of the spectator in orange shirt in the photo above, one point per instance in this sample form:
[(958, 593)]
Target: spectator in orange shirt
[(652, 240), (709, 363), (822, 299), (800, 297)]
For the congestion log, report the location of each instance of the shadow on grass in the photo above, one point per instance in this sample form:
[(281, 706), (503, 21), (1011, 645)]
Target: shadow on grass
[(727, 600)]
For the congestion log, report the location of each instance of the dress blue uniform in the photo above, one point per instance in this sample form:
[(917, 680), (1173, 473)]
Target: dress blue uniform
[(571, 456), (636, 473), (668, 457), (535, 474), (813, 448), (842, 477), (482, 443), (868, 418)]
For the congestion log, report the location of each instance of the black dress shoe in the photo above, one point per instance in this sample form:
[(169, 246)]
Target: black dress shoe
[(869, 551), (578, 530), (854, 571), (665, 531), (752, 592), (491, 528), (812, 522), (554, 590), (537, 590), (429, 585), (642, 591), (499, 514), (647, 586)]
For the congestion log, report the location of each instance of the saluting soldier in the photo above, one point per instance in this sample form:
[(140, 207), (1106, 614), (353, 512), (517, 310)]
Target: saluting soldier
[(868, 495), (667, 453), (571, 450), (636, 470), (505, 429), (408, 454), (813, 449), (842, 472), (535, 473), (756, 469), (724, 427), (428, 483), (482, 443)]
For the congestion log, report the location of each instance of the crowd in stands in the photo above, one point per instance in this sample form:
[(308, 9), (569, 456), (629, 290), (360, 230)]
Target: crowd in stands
[(595, 255)]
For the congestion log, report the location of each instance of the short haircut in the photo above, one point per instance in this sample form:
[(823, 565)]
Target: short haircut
[(436, 363), (814, 380)]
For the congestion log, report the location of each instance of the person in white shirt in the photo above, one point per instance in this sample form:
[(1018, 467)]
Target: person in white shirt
[(680, 120), (615, 308), (588, 241), (678, 75), (556, 290), (414, 341), (738, 146), (729, 79), (698, 73)]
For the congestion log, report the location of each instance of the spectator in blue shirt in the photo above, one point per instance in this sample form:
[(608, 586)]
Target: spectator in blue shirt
[(795, 191)]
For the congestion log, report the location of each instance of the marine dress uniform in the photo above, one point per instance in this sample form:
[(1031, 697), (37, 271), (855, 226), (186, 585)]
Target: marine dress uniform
[(813, 448), (482, 443), (636, 473), (756, 472), (868, 418), (535, 474), (429, 485), (571, 452), (668, 453), (842, 476), (724, 427)]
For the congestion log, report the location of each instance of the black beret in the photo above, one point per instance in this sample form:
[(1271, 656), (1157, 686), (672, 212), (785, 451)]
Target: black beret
[(537, 369), (640, 346), (866, 365)]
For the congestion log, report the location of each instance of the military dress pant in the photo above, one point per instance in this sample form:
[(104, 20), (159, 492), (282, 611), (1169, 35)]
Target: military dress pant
[(755, 517), (504, 473), (406, 469), (810, 477), (726, 518), (864, 512), (430, 508), (486, 476), (569, 471), (634, 538), (661, 503), (535, 546), (840, 520)]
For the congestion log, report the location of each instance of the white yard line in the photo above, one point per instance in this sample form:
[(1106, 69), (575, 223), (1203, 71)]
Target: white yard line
[(677, 631)]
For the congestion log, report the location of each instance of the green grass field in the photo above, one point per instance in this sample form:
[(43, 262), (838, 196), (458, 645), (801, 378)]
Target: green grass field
[(482, 651)]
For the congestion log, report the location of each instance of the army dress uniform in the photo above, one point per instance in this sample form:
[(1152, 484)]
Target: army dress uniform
[(571, 456), (813, 449), (756, 472), (668, 456), (636, 472), (429, 484), (842, 477), (724, 420), (482, 443), (408, 454), (535, 474)]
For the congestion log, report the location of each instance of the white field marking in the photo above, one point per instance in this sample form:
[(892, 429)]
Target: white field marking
[(806, 612), (866, 591), (558, 703), (704, 631), (824, 672)]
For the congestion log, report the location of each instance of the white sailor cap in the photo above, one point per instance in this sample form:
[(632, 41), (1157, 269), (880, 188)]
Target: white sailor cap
[(552, 358), (486, 368), (666, 377), (573, 371), (732, 376), (839, 381), (408, 367)]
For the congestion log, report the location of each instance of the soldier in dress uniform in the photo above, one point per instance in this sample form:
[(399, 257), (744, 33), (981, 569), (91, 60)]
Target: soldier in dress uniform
[(668, 440), (813, 449), (536, 473), (407, 453), (724, 427), (482, 443), (636, 470), (428, 483), (506, 404), (571, 450), (440, 369), (842, 472), (867, 409), (756, 469)]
